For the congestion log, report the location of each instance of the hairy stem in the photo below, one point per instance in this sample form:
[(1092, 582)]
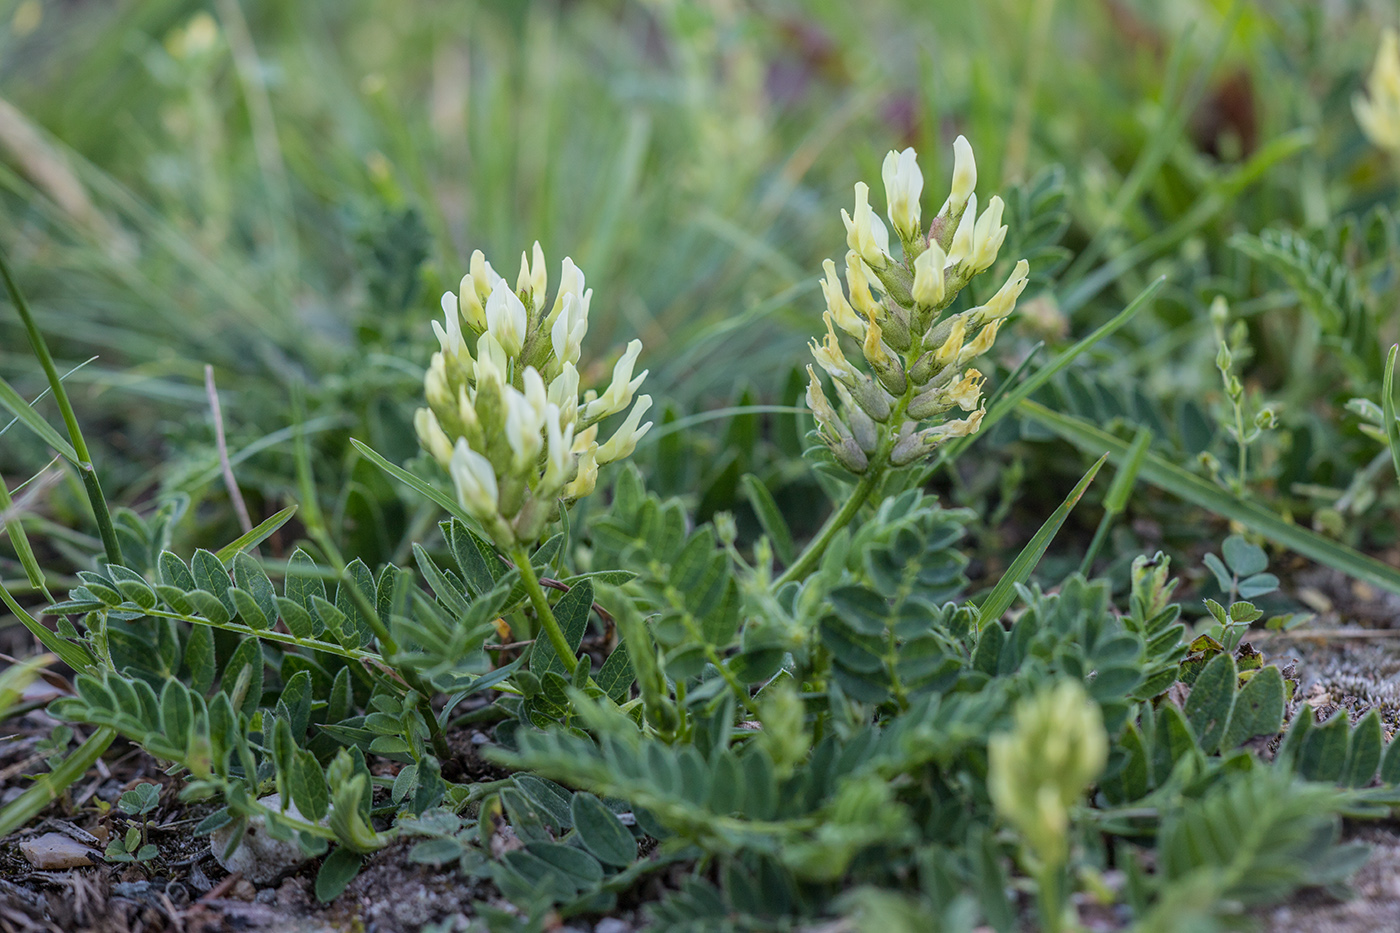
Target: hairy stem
[(521, 557), (839, 519)]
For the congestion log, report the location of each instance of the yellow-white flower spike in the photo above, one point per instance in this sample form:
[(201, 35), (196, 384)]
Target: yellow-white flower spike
[(563, 393), (964, 178), (506, 318), (904, 184), (1379, 112), (928, 276), (829, 356), (866, 234), (624, 440), (432, 436), (569, 329), (587, 477), (484, 278), (980, 344), (1004, 301), (988, 236), (475, 481), (841, 311), (960, 250), (858, 276), (469, 302)]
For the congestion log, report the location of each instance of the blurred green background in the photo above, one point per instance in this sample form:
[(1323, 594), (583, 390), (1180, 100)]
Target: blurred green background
[(282, 191)]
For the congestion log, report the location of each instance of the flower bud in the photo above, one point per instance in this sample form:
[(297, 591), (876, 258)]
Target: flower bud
[(1379, 113), (964, 179), (571, 282), (624, 440), (858, 277), (435, 384), (1039, 769), (866, 234), (885, 364), (861, 425), (506, 319), (619, 392), (904, 183), (913, 446), (484, 278), (563, 393), (587, 477), (469, 303), (431, 436), (981, 344), (475, 481), (1004, 301), (988, 235), (960, 252), (569, 329), (928, 276), (841, 311), (450, 340)]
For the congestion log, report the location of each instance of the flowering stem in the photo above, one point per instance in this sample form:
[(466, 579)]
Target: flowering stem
[(521, 557), (839, 519)]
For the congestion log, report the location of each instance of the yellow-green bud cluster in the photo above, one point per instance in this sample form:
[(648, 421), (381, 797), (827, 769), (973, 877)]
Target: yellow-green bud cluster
[(1379, 111), (508, 422), (1040, 769), (917, 358)]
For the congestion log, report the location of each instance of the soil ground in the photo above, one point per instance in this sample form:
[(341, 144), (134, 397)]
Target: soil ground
[(1348, 657)]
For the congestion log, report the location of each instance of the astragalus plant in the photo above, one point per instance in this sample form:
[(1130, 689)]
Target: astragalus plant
[(781, 739)]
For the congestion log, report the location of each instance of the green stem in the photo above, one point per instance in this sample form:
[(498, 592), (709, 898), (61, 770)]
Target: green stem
[(75, 433), (521, 558), (839, 519), (1102, 532)]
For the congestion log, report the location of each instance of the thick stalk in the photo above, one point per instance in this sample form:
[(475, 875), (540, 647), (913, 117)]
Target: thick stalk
[(521, 557), (75, 433), (839, 519)]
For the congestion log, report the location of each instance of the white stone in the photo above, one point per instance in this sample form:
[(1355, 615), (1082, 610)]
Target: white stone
[(258, 856)]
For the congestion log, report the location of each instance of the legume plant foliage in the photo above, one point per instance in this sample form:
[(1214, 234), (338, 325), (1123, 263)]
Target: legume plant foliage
[(724, 710)]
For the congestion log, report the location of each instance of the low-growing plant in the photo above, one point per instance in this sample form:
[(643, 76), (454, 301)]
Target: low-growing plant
[(792, 735)]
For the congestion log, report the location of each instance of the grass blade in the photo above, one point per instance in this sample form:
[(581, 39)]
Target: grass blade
[(49, 786), (1117, 499), (35, 422), (1392, 432), (1185, 485), (78, 451), (9, 515), (74, 655), (255, 535), (1001, 596), (414, 483)]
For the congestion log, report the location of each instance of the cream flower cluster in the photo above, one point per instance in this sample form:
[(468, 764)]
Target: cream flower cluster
[(1037, 771), (507, 421), (1379, 112), (917, 357)]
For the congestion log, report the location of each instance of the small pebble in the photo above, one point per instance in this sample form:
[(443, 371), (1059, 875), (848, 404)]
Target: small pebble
[(612, 925), (243, 890), (55, 851)]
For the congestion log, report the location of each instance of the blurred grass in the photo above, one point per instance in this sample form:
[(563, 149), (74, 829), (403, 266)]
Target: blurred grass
[(283, 190)]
